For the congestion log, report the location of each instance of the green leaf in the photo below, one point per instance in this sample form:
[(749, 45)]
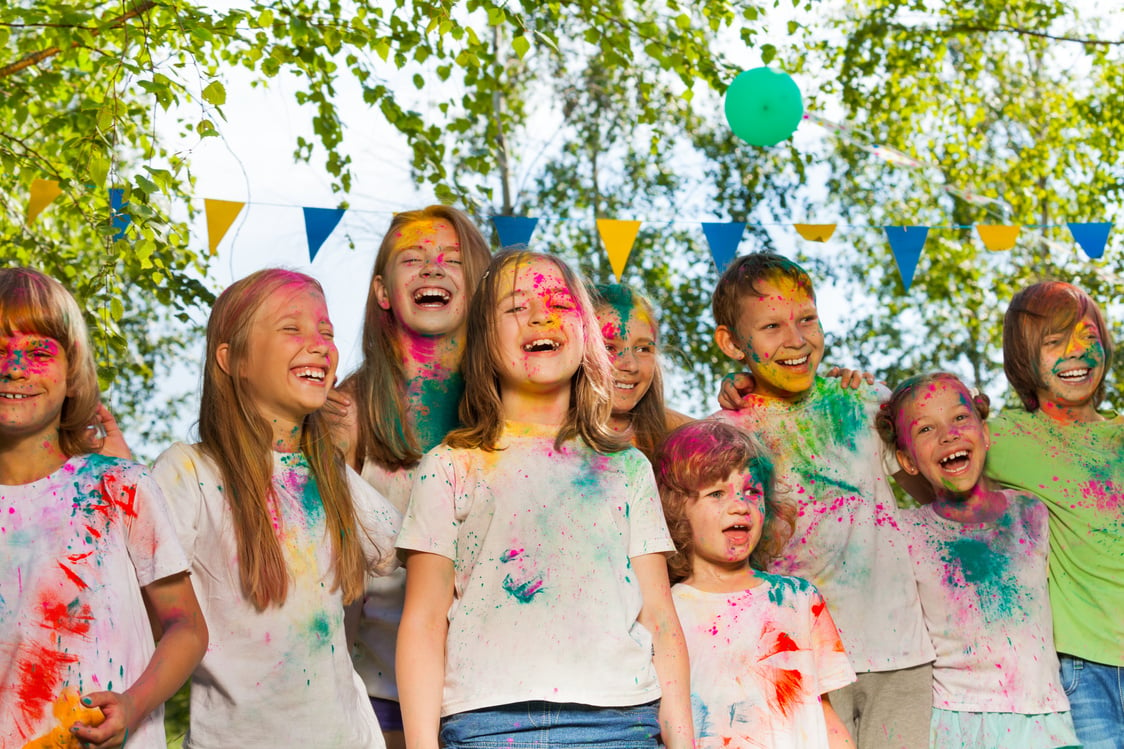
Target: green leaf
[(215, 94), (520, 44)]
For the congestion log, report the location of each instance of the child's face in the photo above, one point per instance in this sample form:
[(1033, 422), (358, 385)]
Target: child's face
[(33, 386), (779, 337), (631, 341), (945, 439), (1071, 365), (539, 327), (291, 356), (726, 519), (423, 282)]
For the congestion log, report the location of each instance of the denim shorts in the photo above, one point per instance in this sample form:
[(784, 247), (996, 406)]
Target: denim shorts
[(1096, 701), (544, 725)]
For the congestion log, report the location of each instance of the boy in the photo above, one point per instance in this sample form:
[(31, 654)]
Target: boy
[(829, 455)]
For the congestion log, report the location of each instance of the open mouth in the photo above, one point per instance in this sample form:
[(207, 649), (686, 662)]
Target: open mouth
[(793, 362), (311, 374), (737, 533), (432, 297), (15, 396), (1073, 375), (541, 345), (956, 462), (624, 385)]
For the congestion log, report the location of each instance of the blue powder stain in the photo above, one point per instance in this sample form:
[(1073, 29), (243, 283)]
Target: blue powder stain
[(320, 628), (701, 715), (436, 408), (986, 570), (781, 586), (525, 591)]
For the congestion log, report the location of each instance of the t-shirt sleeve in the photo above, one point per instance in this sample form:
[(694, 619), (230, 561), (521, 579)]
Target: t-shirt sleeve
[(177, 474), (833, 668), (379, 522), (430, 523), (648, 532), (150, 536)]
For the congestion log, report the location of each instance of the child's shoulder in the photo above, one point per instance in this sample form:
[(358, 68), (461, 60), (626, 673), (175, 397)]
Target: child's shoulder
[(786, 588), (95, 468)]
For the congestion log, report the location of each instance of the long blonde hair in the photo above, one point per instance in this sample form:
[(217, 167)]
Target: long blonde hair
[(238, 438), (33, 302), (481, 408), (379, 384)]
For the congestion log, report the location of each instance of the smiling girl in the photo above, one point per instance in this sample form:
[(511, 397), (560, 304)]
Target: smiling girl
[(537, 591)]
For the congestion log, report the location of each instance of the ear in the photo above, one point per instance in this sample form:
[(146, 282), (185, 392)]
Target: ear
[(382, 295), (987, 436), (728, 342), (222, 356), (906, 463)]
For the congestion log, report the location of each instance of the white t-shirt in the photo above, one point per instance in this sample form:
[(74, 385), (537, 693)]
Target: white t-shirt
[(984, 592), (847, 541), (282, 676), (545, 601), (75, 549), (760, 659)]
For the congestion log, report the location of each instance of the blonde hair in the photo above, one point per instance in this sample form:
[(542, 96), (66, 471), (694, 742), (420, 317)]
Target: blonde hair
[(33, 302), (238, 438), (379, 384), (481, 409)]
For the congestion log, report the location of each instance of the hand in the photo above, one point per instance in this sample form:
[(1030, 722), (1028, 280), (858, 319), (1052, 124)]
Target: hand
[(113, 445), (734, 390), (338, 405), (851, 378), (120, 721)]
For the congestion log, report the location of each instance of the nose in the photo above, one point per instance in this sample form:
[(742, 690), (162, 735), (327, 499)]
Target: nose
[(1075, 346), (320, 344), (625, 360), (794, 336), (433, 267)]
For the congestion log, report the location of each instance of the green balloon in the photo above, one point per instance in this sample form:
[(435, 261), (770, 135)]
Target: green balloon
[(763, 106)]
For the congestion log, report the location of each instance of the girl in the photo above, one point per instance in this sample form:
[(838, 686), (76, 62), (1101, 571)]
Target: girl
[(406, 394), (537, 592), (1056, 352), (629, 327), (764, 649), (278, 530), (979, 556), (88, 555)]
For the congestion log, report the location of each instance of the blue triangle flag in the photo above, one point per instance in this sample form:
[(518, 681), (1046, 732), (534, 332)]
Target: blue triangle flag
[(724, 240), (117, 216), (319, 223), (514, 230), (906, 243), (1091, 237)]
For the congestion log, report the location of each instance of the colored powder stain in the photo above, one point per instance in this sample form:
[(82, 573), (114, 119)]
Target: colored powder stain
[(73, 576), (434, 403), (783, 587), (837, 418), (320, 628), (68, 710), (823, 482), (510, 554), (789, 686), (524, 591), (40, 676), (783, 643), (987, 571)]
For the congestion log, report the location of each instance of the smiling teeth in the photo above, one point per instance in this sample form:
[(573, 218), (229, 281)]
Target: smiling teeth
[(312, 374), (14, 396), (954, 456), (541, 344), (624, 385), (794, 362), (429, 296), (1074, 374)]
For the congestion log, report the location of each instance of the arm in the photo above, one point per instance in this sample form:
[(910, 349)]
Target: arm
[(736, 387), (421, 646), (837, 735), (658, 616), (172, 602), (341, 420)]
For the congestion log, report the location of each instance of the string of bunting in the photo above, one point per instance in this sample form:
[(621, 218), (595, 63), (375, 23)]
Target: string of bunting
[(618, 236)]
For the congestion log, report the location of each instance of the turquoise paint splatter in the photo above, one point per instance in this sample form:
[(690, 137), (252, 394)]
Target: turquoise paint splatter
[(524, 591), (320, 628), (781, 586), (436, 404), (987, 572)]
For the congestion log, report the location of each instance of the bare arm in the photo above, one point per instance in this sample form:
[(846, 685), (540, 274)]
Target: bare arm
[(421, 646), (837, 735), (658, 616)]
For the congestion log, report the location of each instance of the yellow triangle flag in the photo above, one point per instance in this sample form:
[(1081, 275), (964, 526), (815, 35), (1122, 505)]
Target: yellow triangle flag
[(996, 237), (618, 237), (815, 232), (43, 193), (220, 215)]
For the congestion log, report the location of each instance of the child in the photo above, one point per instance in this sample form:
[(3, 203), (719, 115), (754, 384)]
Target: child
[(1056, 352), (631, 333), (537, 601), (406, 394), (280, 533), (979, 556), (764, 650), (828, 453), (81, 536)]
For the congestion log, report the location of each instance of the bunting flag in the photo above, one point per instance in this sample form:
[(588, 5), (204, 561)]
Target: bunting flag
[(319, 223), (906, 243), (118, 218), (43, 193), (724, 240), (514, 230), (220, 215), (815, 232), (1091, 237), (996, 237), (618, 238)]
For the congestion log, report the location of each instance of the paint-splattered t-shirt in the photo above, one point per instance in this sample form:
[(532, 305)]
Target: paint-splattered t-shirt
[(75, 549), (545, 599), (1078, 471), (983, 590), (282, 676), (847, 541), (760, 659)]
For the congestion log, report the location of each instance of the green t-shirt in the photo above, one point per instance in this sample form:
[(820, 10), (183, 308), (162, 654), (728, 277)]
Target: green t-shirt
[(1078, 472)]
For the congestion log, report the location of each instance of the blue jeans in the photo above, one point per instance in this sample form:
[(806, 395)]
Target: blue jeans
[(543, 725), (1096, 701)]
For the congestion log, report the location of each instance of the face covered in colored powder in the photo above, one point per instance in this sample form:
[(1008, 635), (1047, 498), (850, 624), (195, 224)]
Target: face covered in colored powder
[(779, 337), (1071, 365), (944, 438), (540, 329), (33, 385), (423, 283), (726, 520), (630, 337)]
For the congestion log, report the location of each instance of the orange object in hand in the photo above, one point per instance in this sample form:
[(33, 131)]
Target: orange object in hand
[(68, 709)]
